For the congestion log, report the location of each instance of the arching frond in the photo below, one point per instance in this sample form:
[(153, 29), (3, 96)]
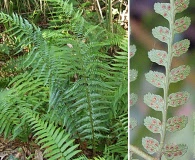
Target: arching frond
[(55, 141)]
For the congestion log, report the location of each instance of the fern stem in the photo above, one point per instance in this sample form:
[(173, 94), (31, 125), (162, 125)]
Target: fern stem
[(110, 15), (100, 11), (167, 82), (91, 118), (141, 153)]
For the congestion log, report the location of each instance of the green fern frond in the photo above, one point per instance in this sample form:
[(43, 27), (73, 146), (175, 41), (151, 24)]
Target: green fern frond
[(64, 16), (87, 98), (82, 157), (120, 131), (99, 158), (9, 117), (55, 142), (108, 155), (20, 28), (120, 70), (8, 120)]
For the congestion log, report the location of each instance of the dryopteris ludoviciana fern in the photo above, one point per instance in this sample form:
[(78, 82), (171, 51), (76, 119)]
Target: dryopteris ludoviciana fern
[(120, 125), (161, 80), (72, 87), (120, 63), (92, 61)]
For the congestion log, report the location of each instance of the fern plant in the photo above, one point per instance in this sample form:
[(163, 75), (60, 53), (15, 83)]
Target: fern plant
[(60, 145), (63, 89), (164, 80), (119, 149)]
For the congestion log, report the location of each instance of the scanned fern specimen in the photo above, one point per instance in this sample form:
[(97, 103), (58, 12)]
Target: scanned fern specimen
[(164, 80)]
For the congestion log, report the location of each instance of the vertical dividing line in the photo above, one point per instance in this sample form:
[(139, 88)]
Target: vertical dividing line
[(128, 102)]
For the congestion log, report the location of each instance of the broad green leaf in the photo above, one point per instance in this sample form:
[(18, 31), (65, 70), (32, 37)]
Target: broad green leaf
[(179, 73), (161, 33), (180, 47), (155, 78), (181, 5), (150, 144), (155, 102), (163, 9), (176, 123), (171, 151), (182, 24), (158, 56), (153, 124), (178, 99)]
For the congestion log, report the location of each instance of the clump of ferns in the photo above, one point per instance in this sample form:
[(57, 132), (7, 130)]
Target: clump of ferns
[(24, 86), (116, 148), (95, 43), (172, 75), (46, 88), (29, 92), (53, 139)]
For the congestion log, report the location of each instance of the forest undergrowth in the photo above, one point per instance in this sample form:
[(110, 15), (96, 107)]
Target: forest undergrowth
[(63, 80)]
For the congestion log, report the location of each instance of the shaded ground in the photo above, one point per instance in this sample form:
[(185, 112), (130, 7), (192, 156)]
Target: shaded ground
[(16, 150)]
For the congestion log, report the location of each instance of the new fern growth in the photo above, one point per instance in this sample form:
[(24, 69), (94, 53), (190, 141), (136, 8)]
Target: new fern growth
[(162, 103)]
